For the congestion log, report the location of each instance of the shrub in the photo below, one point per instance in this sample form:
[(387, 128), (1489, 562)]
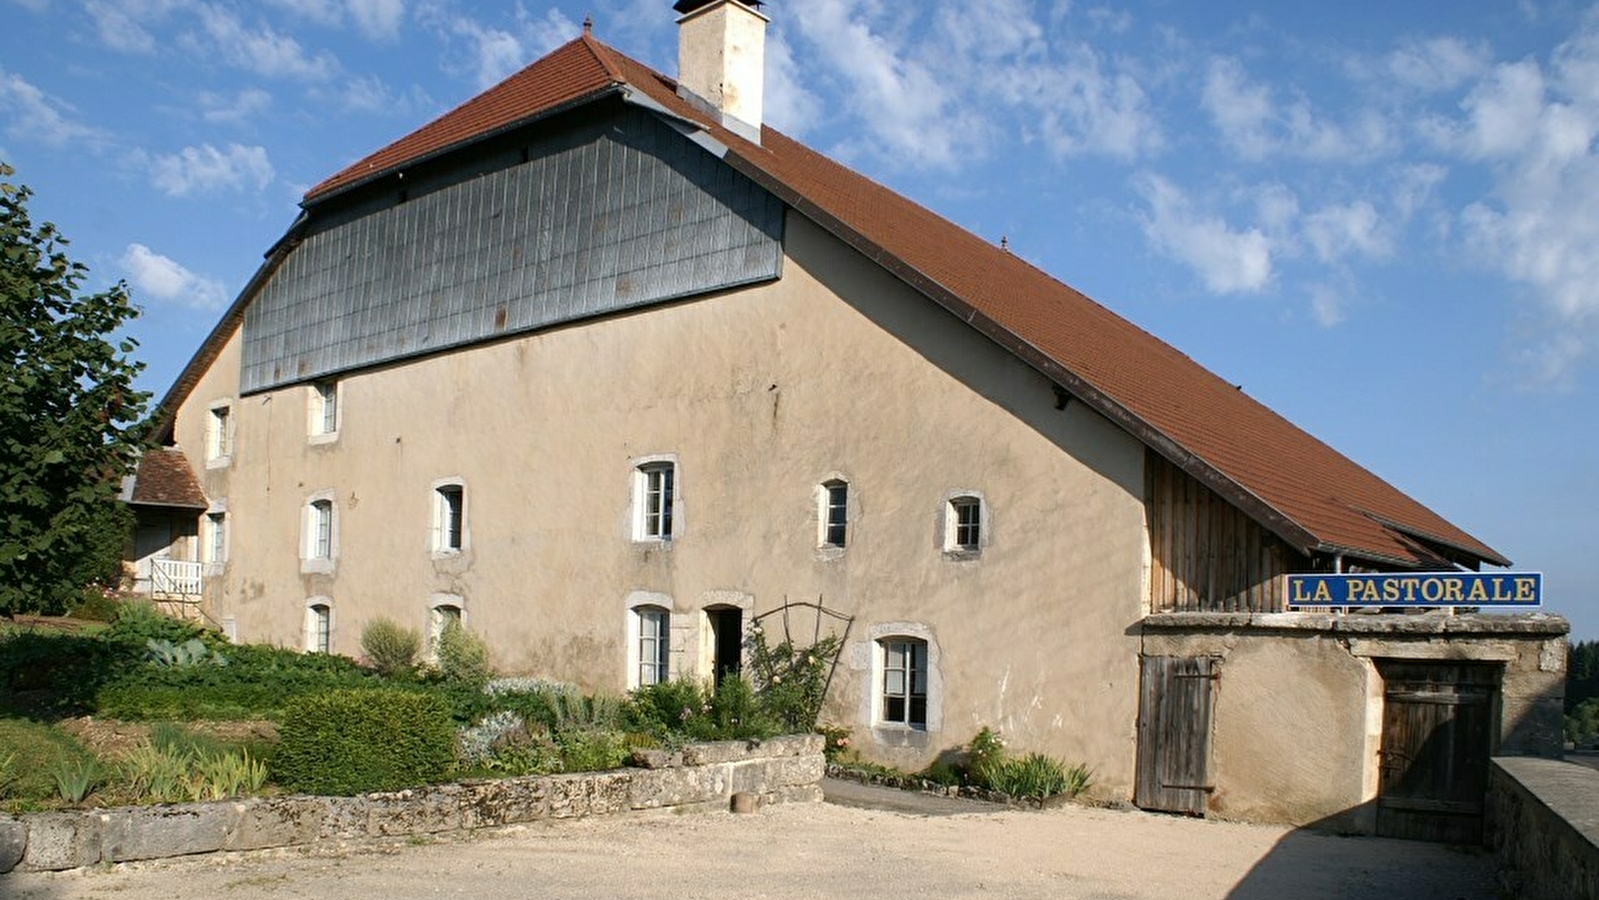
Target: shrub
[(137, 623), (96, 604), (983, 754), (75, 778), (463, 656), (593, 750), (791, 681), (354, 741), (389, 646)]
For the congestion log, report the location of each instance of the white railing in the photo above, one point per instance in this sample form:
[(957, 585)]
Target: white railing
[(175, 576)]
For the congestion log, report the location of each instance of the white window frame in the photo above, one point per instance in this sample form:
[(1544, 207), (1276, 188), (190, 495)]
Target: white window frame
[(449, 517), (317, 556), (664, 524), (874, 706), (903, 668), (323, 410), (319, 625), (219, 433), (828, 506), (214, 538), (956, 506), (638, 605)]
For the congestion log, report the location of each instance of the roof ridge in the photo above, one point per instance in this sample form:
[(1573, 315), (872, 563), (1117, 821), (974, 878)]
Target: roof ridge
[(603, 53)]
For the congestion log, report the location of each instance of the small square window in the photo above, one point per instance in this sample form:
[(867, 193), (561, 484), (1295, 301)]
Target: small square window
[(449, 518), (219, 434), (655, 491), (964, 525), (834, 511)]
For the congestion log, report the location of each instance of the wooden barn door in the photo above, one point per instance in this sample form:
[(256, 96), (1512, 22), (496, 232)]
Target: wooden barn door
[(1174, 711), (1437, 734)]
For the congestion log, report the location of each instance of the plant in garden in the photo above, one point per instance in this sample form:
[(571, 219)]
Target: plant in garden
[(156, 774), (836, 743), (389, 646), (353, 741), (222, 775), (463, 656), (790, 680), (75, 778), (192, 652), (8, 773), (983, 754), (69, 416)]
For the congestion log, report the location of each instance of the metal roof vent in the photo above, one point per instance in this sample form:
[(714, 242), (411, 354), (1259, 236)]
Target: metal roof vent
[(721, 60)]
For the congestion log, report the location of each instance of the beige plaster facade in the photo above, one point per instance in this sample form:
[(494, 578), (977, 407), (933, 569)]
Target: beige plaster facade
[(759, 395)]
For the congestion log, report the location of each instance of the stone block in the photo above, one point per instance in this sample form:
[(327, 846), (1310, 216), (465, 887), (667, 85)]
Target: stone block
[(13, 842), (343, 817), (65, 840), (656, 759), (569, 796), (753, 777), (275, 822), (159, 832), (799, 793), (485, 804), (426, 810), (610, 793), (657, 788), (791, 745), (719, 752), (796, 770)]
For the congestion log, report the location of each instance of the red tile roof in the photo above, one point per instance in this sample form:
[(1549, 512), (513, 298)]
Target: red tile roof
[(1303, 490), (164, 478)]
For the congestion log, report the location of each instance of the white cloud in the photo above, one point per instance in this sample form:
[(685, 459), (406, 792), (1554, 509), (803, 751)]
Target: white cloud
[(1083, 108), (205, 169), (1437, 64), (262, 50), (163, 279), (1326, 305), (1351, 229), (236, 109), (1539, 226), (377, 18), (541, 34), (788, 105), (37, 6), (34, 116), (1256, 125), (907, 111), (370, 94), (1227, 261)]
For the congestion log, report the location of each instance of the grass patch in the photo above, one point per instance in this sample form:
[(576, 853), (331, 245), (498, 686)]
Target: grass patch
[(37, 752)]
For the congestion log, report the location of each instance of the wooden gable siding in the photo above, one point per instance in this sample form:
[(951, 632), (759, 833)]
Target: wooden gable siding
[(1206, 555)]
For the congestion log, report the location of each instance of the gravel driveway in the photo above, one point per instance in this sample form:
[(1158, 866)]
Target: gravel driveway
[(820, 850)]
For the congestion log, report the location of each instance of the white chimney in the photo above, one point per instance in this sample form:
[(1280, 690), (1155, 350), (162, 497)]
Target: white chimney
[(721, 60)]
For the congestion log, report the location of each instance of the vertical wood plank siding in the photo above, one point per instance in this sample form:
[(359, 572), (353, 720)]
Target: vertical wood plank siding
[(1206, 556)]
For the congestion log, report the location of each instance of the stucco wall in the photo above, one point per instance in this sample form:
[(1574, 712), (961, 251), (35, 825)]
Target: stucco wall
[(836, 370), (1297, 723)]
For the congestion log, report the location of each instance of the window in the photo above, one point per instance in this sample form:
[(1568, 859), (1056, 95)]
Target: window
[(319, 628), (449, 518), (654, 493), (904, 662), (654, 644), (319, 537), (216, 538), (963, 531), (834, 513), (445, 614), (324, 411), (219, 434)]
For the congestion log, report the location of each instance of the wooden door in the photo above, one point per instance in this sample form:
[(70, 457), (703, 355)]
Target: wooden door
[(1174, 721), (1437, 735)]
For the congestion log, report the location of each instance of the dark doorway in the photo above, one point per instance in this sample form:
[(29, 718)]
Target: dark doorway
[(1176, 696), (1437, 735), (727, 641)]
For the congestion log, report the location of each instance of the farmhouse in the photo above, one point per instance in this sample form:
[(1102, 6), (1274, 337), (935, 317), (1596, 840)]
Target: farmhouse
[(606, 369)]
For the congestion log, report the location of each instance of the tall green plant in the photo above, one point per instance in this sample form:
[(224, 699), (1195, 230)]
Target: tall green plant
[(389, 646), (463, 656), (69, 415), (790, 680)]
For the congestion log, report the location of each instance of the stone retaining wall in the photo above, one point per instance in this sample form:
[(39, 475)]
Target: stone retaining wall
[(1543, 822), (701, 776)]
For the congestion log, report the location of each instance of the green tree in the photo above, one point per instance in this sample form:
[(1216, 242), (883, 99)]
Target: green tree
[(69, 414)]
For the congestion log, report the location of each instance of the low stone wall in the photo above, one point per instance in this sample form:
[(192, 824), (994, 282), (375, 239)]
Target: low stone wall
[(701, 776), (1543, 822)]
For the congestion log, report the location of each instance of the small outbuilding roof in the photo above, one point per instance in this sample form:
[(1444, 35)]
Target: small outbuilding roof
[(164, 478)]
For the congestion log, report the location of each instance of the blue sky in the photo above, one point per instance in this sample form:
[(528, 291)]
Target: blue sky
[(1382, 219)]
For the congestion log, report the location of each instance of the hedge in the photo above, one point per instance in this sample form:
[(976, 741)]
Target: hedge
[(354, 741)]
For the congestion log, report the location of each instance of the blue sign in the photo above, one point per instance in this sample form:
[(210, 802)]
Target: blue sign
[(1518, 589)]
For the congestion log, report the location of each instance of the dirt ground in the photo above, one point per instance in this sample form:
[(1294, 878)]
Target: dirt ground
[(821, 850)]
